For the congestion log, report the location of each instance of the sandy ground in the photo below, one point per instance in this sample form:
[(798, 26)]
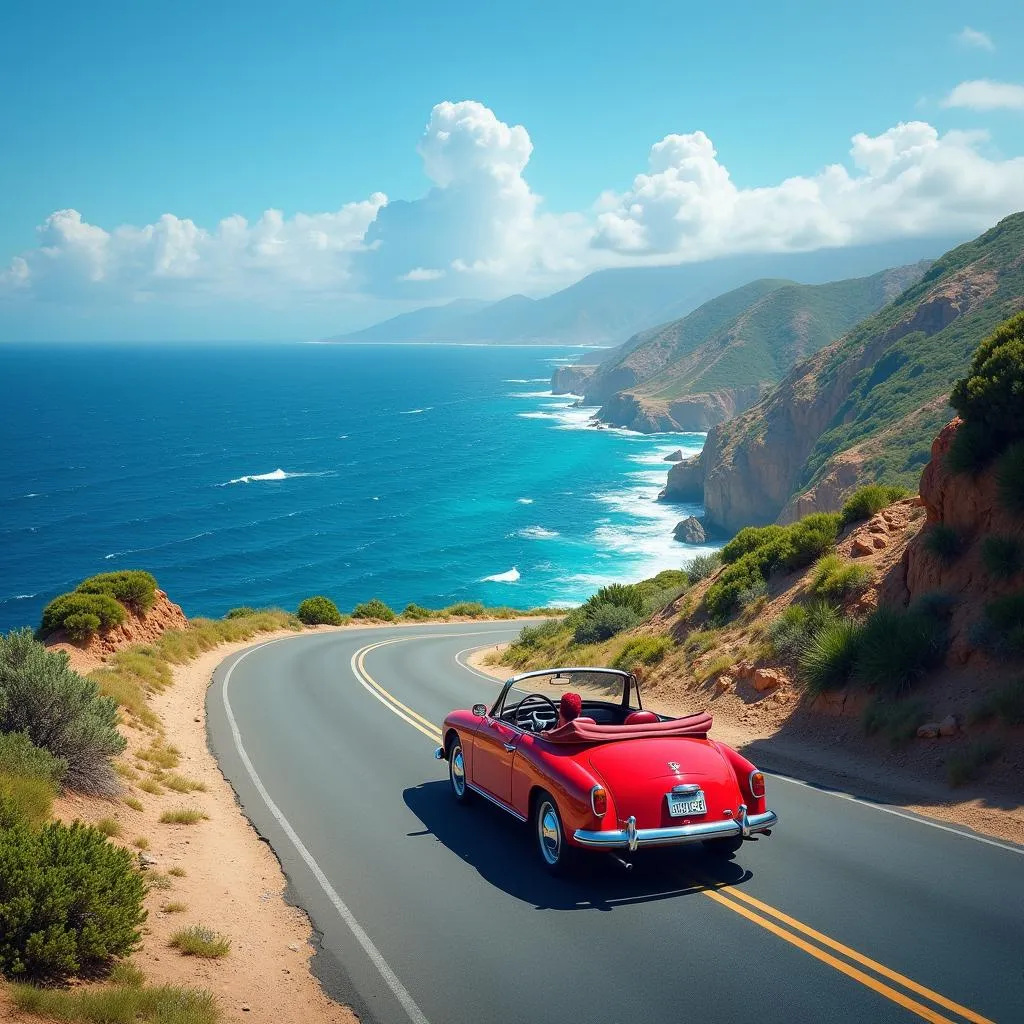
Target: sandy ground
[(825, 756), (233, 883)]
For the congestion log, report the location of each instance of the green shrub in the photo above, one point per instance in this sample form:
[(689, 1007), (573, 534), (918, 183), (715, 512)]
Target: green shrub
[(723, 596), (700, 641), (318, 611), (789, 632), (898, 648), (642, 650), (895, 720), (972, 449), (966, 766), (124, 1003), (992, 393), (828, 656), (810, 538), (417, 612), (749, 539), (240, 612), (466, 610), (200, 941), (1003, 626), (618, 594), (531, 637), (934, 604), (867, 501), (69, 901), (1010, 479), (20, 756), (24, 799), (703, 566), (182, 816), (81, 625), (103, 607), (836, 578), (1003, 557), (373, 609), (134, 588), (603, 621), (943, 542), (59, 711)]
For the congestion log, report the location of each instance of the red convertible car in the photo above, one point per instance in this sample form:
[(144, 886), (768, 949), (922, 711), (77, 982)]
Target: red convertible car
[(573, 752)]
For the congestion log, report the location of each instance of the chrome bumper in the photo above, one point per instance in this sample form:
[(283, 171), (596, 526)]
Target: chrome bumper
[(632, 837)]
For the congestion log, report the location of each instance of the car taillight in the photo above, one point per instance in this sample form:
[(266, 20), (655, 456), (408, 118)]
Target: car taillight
[(599, 801), (757, 784)]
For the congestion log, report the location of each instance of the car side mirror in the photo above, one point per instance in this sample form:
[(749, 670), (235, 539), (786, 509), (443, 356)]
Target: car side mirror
[(480, 710)]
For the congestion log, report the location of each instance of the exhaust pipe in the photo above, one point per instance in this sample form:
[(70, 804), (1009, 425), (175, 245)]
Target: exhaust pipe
[(622, 862)]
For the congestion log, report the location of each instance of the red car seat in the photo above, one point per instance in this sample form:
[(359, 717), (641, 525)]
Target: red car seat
[(641, 718)]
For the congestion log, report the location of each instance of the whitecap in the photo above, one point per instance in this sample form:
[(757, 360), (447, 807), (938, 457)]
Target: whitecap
[(534, 394), (524, 501), (22, 597), (276, 475), (512, 576), (415, 412), (535, 533)]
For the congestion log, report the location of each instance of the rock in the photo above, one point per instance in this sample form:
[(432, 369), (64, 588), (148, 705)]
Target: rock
[(744, 669), (768, 679), (861, 547), (145, 861), (948, 726), (879, 542), (197, 719), (676, 456), (690, 531), (928, 731), (245, 1007), (293, 946), (723, 683)]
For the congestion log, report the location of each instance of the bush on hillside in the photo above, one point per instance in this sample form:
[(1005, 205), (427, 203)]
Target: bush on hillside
[(69, 901), (943, 542), (642, 650), (60, 711), (895, 720), (835, 578), (661, 590), (20, 756), (532, 637), (749, 539), (107, 611), (789, 632), (618, 594), (898, 648), (703, 566), (373, 609), (318, 611), (829, 655), (868, 501), (24, 801), (972, 449), (992, 393), (603, 621), (1010, 478), (242, 612), (417, 612), (810, 538), (1003, 557), (466, 610), (1002, 631), (134, 588)]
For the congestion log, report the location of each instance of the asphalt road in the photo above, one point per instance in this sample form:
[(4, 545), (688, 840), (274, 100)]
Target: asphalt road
[(433, 912)]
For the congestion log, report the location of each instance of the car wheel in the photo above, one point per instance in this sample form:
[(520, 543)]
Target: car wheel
[(723, 847), (457, 771), (555, 852)]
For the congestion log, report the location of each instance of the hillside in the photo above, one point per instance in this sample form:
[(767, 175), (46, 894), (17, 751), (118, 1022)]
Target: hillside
[(609, 305), (866, 407), (717, 362)]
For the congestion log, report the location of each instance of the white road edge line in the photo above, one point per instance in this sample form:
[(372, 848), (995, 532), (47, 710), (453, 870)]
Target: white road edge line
[(391, 979), (476, 671)]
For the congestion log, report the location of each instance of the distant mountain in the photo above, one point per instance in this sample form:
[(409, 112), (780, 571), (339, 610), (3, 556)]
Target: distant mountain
[(716, 362), (610, 305), (865, 408)]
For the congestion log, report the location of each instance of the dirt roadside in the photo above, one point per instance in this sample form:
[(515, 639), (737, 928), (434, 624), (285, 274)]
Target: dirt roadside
[(834, 763)]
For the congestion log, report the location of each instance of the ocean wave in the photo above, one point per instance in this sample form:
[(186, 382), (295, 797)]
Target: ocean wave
[(415, 412), (526, 380), (533, 394), (535, 533), (524, 501), (159, 547), (277, 474), (20, 597), (512, 576)]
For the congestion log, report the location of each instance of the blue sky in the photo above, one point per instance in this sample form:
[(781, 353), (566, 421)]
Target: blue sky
[(129, 112)]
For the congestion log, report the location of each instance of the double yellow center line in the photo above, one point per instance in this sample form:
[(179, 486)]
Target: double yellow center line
[(886, 982)]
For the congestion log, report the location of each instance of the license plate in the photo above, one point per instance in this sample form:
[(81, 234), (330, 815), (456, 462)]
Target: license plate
[(682, 806)]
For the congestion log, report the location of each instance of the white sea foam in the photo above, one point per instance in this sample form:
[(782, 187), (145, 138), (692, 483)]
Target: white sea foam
[(512, 576), (526, 380), (276, 475), (21, 597), (533, 394), (415, 412), (535, 533), (524, 501)]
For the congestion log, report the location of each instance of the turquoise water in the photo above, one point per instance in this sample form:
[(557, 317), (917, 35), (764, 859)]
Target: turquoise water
[(260, 475)]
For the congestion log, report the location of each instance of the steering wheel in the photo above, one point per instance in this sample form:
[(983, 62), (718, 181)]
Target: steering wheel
[(538, 723)]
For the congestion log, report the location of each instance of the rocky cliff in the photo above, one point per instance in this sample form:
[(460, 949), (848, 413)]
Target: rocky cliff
[(866, 407), (570, 380), (699, 412)]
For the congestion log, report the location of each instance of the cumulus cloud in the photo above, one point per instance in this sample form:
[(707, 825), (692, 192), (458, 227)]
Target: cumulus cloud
[(983, 94), (975, 39), (481, 230)]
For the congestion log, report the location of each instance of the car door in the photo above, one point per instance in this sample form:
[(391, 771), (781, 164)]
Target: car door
[(494, 747)]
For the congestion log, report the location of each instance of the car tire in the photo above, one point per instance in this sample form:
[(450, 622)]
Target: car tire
[(723, 847), (555, 853), (457, 771)]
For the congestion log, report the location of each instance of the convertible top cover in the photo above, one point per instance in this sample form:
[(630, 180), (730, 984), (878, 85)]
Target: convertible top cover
[(586, 730)]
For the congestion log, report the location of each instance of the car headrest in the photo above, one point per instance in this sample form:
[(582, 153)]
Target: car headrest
[(641, 718)]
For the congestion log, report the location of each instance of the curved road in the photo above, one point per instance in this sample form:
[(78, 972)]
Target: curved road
[(433, 912)]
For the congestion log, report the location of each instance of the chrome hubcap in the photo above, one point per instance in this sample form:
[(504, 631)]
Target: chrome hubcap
[(458, 772), (549, 832)]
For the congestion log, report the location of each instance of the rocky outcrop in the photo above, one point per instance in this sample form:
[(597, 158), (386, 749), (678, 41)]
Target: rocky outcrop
[(571, 380), (676, 456), (690, 531), (136, 629), (697, 413), (969, 505), (685, 481)]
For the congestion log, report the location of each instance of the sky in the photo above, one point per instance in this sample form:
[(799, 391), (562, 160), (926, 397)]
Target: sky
[(255, 170)]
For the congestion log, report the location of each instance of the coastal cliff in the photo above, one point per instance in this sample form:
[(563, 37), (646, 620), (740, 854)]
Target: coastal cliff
[(570, 380), (699, 412), (865, 408)]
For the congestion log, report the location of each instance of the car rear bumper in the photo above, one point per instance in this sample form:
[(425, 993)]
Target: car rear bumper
[(631, 837)]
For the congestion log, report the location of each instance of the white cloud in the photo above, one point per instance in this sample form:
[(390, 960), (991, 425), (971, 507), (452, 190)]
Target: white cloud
[(481, 230), (972, 37), (983, 94)]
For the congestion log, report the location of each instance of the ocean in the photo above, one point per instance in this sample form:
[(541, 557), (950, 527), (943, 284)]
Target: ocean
[(262, 474)]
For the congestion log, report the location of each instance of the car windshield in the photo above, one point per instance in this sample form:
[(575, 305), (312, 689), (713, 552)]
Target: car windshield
[(604, 687)]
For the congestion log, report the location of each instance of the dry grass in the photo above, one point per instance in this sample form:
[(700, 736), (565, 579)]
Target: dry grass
[(151, 786), (174, 907), (177, 872), (133, 802), (160, 755), (109, 827), (119, 1004), (182, 784), (141, 843), (713, 668), (158, 880), (182, 816), (200, 941)]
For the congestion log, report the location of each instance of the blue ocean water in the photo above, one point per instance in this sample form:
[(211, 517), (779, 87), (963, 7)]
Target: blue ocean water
[(263, 474)]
